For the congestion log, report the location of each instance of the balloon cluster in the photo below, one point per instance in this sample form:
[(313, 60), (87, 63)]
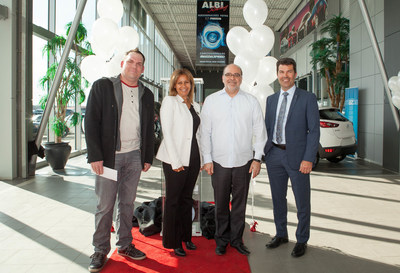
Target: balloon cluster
[(109, 43), (394, 85), (250, 50)]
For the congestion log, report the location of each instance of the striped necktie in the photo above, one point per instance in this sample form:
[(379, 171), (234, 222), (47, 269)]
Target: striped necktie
[(281, 117)]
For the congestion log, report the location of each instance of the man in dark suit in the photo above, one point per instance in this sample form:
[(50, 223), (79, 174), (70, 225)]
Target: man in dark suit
[(292, 121)]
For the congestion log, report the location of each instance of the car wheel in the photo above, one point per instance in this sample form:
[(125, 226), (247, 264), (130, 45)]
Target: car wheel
[(336, 159)]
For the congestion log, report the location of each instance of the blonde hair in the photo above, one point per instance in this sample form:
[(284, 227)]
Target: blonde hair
[(174, 78)]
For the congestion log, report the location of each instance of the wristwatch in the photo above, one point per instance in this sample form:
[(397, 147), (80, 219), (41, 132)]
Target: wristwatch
[(257, 160)]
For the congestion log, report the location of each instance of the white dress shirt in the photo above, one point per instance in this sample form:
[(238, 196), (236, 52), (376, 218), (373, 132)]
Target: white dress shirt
[(228, 126), (289, 101)]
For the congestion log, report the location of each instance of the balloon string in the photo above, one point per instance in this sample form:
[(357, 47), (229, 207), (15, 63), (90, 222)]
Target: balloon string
[(252, 185)]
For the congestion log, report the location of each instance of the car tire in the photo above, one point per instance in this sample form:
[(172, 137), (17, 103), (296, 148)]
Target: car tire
[(336, 159)]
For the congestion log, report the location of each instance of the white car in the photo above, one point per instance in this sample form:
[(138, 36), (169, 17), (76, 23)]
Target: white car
[(337, 138)]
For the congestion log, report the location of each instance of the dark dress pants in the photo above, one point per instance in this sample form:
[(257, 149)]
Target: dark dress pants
[(230, 223), (177, 215), (279, 172)]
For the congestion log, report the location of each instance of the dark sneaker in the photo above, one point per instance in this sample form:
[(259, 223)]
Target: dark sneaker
[(132, 252), (98, 262)]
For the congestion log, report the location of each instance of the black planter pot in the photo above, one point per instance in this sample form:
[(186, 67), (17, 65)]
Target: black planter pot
[(57, 154)]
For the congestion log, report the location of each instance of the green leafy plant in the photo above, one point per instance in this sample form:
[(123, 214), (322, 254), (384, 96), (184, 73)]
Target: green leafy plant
[(330, 55), (72, 84)]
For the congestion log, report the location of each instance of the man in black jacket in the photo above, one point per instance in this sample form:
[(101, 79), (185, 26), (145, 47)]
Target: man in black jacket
[(119, 129)]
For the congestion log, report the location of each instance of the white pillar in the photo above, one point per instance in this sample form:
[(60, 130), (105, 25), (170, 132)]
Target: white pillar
[(8, 131)]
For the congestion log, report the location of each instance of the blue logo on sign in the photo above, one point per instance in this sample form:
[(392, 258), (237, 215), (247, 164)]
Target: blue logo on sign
[(212, 36)]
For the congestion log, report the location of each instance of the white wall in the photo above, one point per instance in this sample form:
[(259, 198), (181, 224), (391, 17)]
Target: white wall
[(364, 73), (8, 138)]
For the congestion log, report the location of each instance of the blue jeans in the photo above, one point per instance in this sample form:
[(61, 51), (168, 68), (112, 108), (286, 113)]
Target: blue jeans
[(129, 168)]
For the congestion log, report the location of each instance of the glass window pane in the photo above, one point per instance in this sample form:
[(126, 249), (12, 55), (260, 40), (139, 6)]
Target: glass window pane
[(89, 15), (65, 13), (39, 68), (40, 13)]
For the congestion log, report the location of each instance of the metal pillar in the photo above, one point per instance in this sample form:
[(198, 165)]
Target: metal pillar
[(379, 60), (57, 81)]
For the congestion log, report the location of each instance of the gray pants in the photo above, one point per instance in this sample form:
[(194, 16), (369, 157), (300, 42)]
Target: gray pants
[(129, 169)]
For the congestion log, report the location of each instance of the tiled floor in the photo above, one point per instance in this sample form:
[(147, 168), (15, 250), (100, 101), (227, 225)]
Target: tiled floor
[(47, 221)]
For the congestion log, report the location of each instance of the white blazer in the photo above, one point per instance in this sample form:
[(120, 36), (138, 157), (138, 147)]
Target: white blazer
[(177, 128)]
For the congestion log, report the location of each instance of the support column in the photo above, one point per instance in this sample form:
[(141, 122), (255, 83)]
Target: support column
[(8, 103)]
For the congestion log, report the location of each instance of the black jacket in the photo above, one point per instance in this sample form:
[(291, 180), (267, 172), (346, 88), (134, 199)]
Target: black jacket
[(102, 117)]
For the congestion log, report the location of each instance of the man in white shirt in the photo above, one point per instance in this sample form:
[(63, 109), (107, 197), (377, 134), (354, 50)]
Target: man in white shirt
[(230, 118)]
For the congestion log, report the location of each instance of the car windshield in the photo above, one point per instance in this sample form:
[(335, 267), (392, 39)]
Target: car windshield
[(331, 114)]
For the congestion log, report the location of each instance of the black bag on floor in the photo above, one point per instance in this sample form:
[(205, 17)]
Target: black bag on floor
[(207, 223), (149, 217)]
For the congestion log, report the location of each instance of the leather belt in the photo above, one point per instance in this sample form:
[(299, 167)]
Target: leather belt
[(280, 146)]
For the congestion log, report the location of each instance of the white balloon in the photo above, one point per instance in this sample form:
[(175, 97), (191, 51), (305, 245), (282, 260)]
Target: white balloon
[(128, 39), (237, 39), (261, 92), (112, 9), (266, 73), (113, 67), (255, 12), (104, 37), (262, 40), (396, 101), (245, 86), (394, 84), (93, 67), (248, 65)]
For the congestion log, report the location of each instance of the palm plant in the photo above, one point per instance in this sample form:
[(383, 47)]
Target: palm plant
[(72, 84), (331, 56)]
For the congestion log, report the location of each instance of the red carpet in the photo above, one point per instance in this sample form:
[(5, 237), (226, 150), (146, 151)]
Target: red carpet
[(163, 260)]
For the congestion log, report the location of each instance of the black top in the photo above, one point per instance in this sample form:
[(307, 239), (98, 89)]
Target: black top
[(196, 124), (102, 124)]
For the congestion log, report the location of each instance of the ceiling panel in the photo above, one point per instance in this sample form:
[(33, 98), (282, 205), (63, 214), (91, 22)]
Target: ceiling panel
[(177, 20)]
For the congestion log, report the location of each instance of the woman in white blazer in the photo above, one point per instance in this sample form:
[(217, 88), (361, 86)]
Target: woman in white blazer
[(180, 154)]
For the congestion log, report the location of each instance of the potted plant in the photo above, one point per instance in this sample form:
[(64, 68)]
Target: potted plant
[(331, 56), (71, 87)]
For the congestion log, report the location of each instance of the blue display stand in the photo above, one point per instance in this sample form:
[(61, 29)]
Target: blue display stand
[(351, 107)]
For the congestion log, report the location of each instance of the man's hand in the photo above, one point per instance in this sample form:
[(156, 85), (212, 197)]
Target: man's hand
[(146, 167), (255, 167), (97, 167), (209, 168), (179, 169), (305, 167)]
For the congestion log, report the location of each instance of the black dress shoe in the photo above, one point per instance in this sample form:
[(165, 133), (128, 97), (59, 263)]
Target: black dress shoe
[(220, 250), (299, 249), (277, 241), (242, 249), (180, 252), (190, 245)]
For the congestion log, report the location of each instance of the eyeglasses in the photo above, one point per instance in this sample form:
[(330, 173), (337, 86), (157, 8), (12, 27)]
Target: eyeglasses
[(235, 75)]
